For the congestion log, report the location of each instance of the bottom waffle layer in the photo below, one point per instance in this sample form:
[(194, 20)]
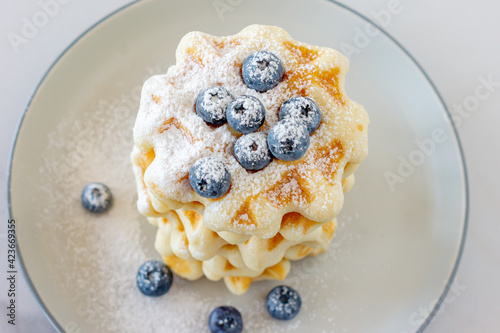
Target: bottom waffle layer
[(229, 262)]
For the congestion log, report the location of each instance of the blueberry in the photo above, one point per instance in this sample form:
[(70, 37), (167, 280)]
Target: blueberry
[(210, 177), (303, 108), (252, 152), (246, 114), (154, 278), (96, 197), (289, 139), (225, 319), (283, 303), (212, 103), (262, 71)]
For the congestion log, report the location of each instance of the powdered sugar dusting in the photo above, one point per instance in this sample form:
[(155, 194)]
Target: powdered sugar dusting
[(215, 101), (253, 147), (210, 169), (263, 65), (290, 190), (302, 108), (247, 110), (290, 129)]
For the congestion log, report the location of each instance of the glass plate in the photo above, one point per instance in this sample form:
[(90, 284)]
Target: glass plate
[(400, 233)]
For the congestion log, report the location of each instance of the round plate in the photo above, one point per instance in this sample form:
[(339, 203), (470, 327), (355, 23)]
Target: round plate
[(400, 233)]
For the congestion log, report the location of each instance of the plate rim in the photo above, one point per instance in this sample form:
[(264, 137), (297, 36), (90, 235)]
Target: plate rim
[(24, 271), (459, 254)]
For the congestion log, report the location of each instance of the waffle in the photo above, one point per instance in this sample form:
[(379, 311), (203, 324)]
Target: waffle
[(283, 212), (192, 250)]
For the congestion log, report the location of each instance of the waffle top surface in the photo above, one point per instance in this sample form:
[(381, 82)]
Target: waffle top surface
[(169, 129)]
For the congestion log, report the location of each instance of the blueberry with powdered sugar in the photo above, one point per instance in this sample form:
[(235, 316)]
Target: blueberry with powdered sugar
[(288, 140), (303, 108), (225, 319), (210, 178), (212, 103), (252, 152), (262, 71), (246, 114), (283, 303), (154, 278), (96, 197)]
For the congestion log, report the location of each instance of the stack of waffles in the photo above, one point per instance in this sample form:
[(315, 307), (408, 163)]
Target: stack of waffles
[(267, 218)]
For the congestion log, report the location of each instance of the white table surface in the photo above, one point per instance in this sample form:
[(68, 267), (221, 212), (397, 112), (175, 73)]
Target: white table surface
[(456, 41)]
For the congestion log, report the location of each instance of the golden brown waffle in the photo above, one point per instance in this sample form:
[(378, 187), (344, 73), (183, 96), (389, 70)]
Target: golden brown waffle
[(285, 211), (192, 250)]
